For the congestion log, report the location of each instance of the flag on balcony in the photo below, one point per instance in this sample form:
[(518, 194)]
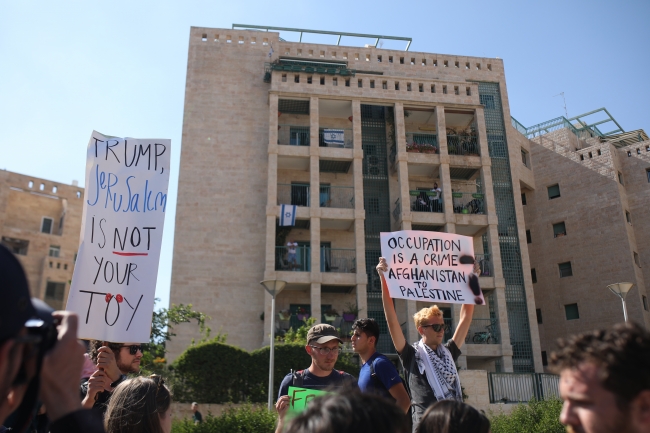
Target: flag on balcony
[(333, 136), (287, 215)]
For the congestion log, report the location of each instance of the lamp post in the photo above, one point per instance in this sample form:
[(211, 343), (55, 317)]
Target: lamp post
[(620, 290), (273, 287)]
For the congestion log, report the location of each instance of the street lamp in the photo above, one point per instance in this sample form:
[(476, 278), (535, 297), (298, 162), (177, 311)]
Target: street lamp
[(620, 290), (273, 287)]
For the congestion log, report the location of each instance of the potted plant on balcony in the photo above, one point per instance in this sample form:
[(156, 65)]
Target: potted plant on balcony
[(351, 312), (302, 313), (331, 315), (412, 147), (428, 148), (284, 315)]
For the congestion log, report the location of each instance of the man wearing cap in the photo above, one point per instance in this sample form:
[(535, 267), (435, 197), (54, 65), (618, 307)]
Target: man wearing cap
[(21, 352), (323, 347)]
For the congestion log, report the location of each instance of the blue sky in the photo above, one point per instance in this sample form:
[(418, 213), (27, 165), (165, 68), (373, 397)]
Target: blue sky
[(118, 67)]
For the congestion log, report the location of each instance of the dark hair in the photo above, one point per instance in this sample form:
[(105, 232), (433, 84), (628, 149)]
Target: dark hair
[(450, 416), (94, 346), (136, 404), (622, 353), (352, 412), (369, 326)]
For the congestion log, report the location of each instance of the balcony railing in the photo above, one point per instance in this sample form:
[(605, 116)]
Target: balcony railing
[(426, 201), (293, 135), (522, 387), (341, 260), (463, 145), (286, 261), (485, 263), (483, 331), (398, 210), (422, 143), (293, 193), (469, 202), (337, 196), (335, 137)]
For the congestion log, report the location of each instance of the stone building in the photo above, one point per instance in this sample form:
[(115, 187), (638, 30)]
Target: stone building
[(587, 223), (40, 222), (356, 137)]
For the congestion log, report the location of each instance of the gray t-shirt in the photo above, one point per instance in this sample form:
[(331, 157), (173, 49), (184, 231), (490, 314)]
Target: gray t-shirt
[(422, 395)]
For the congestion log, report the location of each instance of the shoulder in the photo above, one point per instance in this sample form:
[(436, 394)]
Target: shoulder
[(383, 363), (407, 352)]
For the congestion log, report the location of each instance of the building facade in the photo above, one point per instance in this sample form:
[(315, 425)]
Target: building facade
[(587, 226), (40, 221), (356, 138)]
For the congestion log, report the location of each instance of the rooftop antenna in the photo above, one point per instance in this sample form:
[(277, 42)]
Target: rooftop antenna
[(565, 112)]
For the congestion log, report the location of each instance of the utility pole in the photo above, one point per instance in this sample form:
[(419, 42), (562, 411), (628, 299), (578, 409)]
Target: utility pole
[(565, 112)]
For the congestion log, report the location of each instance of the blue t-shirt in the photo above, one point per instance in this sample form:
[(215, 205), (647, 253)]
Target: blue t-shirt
[(385, 371), (334, 380)]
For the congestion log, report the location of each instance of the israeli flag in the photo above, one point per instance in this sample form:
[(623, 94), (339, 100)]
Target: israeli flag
[(287, 215), (333, 136)]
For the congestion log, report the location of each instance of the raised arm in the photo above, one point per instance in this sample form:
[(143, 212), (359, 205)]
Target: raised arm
[(389, 309), (466, 313)]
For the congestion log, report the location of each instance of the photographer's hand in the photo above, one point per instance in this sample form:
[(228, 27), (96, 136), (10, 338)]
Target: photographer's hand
[(62, 368), (106, 361)]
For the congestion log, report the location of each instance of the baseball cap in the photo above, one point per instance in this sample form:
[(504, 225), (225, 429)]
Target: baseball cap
[(322, 334), (16, 307)]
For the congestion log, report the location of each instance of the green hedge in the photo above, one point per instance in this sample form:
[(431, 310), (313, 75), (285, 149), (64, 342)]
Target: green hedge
[(535, 417), (215, 372), (243, 420)]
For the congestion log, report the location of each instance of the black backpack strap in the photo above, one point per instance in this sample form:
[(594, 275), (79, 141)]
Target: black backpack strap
[(375, 378), (298, 378)]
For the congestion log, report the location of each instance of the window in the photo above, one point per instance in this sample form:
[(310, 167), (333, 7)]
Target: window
[(421, 87), (645, 303), (359, 83), (629, 153), (390, 59), (54, 294), (599, 152), (637, 260), (553, 191), (16, 246), (533, 275), (408, 87), (524, 157), (620, 178), (647, 173), (396, 85), (456, 91), (523, 199), (347, 82), (628, 218), (590, 155), (571, 311), (373, 205), (372, 84), (322, 81), (296, 79), (284, 78), (529, 239), (335, 81), (444, 90), (559, 229), (565, 269), (55, 251), (544, 358), (539, 316), (310, 79), (582, 157), (46, 225), (401, 60), (384, 85)]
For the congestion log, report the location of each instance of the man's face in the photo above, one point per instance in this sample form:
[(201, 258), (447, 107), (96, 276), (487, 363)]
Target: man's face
[(429, 336), (324, 362), (194, 408), (126, 362), (588, 407), (360, 343)]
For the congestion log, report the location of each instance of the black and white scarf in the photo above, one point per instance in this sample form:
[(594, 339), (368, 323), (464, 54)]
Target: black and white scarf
[(440, 370)]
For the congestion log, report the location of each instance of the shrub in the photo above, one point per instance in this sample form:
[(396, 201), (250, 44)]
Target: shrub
[(246, 419), (541, 416)]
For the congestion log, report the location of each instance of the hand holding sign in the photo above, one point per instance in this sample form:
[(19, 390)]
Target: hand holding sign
[(430, 267)]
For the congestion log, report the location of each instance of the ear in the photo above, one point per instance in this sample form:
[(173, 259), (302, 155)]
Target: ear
[(308, 349), (640, 411)]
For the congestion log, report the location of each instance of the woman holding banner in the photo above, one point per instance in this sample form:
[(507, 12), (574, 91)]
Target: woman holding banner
[(429, 365)]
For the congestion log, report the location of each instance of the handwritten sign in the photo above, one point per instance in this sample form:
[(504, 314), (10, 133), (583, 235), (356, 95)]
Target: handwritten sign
[(431, 267), (125, 200), (300, 397)]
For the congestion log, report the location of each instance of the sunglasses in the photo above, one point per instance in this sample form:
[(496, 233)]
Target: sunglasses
[(326, 350), (133, 349), (436, 327)]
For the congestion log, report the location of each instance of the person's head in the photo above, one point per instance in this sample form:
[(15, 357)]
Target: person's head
[(435, 184), (127, 355), (605, 379), (195, 407), (450, 416), (139, 405), (430, 325), (365, 333), (350, 412), (323, 346)]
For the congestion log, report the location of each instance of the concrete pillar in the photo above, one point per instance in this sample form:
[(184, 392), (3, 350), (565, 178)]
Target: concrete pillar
[(362, 300), (272, 188), (411, 309), (315, 301), (402, 166)]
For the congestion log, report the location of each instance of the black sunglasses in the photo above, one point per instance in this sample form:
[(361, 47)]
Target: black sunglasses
[(133, 349), (436, 327)]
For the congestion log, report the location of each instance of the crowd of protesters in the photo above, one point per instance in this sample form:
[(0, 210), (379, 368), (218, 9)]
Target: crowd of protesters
[(49, 382)]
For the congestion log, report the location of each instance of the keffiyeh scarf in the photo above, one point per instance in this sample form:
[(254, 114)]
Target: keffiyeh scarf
[(440, 370)]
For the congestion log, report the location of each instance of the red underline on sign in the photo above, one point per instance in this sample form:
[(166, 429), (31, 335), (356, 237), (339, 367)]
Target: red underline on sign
[(130, 254)]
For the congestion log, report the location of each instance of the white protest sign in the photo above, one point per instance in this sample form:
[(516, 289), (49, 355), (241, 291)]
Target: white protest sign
[(125, 199), (431, 267)]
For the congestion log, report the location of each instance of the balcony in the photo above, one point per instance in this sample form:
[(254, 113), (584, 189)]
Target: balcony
[(342, 260), (486, 265), (299, 262), (422, 143), (337, 196), (469, 202), (293, 193), (463, 145), (335, 137), (483, 331), (426, 201), (293, 135)]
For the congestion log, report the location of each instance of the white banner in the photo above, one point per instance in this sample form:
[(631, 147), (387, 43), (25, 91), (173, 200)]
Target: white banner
[(431, 267), (125, 199)]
